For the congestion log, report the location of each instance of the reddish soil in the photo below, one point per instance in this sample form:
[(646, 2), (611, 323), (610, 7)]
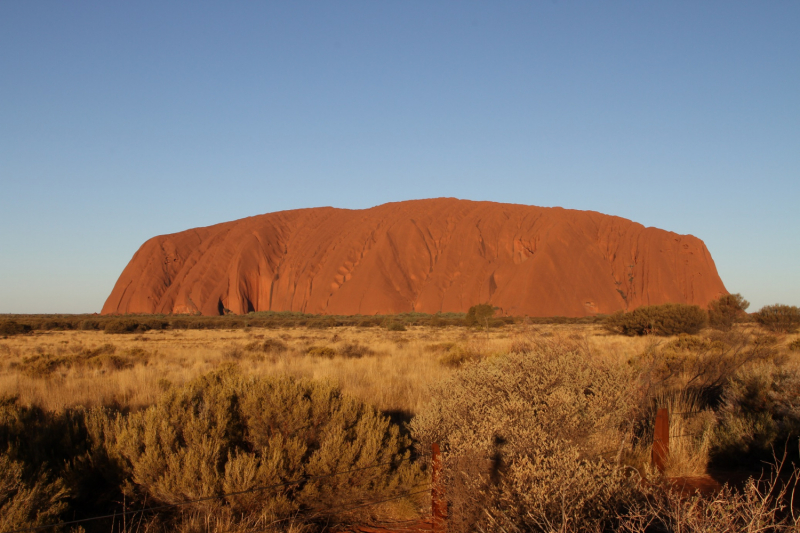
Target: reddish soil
[(705, 485), (403, 527), (424, 255)]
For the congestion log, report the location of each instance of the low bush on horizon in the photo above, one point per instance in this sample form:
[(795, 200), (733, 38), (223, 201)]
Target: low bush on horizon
[(266, 319), (664, 320), (779, 318), (726, 311), (9, 328)]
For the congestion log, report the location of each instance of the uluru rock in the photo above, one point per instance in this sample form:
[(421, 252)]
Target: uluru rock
[(423, 255)]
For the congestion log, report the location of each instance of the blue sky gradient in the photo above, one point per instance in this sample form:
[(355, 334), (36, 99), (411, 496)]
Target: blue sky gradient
[(121, 121)]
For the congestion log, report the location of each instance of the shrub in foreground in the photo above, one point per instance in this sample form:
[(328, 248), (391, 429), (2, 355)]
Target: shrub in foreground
[(667, 319), (760, 506), (529, 441), (759, 415), (221, 433), (227, 433), (27, 504)]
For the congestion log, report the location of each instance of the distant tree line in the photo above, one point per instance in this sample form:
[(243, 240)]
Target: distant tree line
[(666, 319)]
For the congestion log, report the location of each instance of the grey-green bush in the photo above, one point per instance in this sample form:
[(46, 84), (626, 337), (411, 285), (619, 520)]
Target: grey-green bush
[(531, 439), (226, 432), (27, 504)]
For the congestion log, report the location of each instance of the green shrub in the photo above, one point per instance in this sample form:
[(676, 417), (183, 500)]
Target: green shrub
[(795, 345), (666, 319), (479, 315), (726, 311), (525, 439), (780, 318), (152, 324), (396, 326), (9, 328), (322, 323), (179, 323), (258, 323), (120, 325), (90, 324)]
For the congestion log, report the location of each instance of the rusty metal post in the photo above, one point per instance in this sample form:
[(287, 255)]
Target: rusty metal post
[(438, 503), (661, 440)]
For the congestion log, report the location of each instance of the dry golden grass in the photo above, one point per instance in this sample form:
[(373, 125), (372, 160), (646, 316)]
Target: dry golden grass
[(391, 370), (395, 375), (396, 371)]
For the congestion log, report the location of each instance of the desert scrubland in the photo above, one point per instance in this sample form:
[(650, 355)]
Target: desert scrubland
[(391, 370), (544, 427)]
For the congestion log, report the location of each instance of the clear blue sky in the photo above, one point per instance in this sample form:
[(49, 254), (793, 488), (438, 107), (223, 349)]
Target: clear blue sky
[(124, 120)]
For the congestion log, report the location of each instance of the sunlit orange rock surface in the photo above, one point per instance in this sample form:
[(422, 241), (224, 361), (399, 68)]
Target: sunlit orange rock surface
[(424, 255)]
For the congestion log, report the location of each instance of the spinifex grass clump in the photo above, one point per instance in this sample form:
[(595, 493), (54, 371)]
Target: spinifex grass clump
[(104, 357)]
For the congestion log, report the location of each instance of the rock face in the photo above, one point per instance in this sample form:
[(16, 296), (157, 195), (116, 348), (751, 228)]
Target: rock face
[(425, 255)]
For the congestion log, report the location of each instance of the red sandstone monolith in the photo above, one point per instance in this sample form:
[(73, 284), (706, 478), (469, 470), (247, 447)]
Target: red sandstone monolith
[(429, 256)]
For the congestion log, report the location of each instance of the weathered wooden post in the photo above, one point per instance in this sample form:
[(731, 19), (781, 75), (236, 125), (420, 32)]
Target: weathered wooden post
[(438, 503), (661, 440)]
